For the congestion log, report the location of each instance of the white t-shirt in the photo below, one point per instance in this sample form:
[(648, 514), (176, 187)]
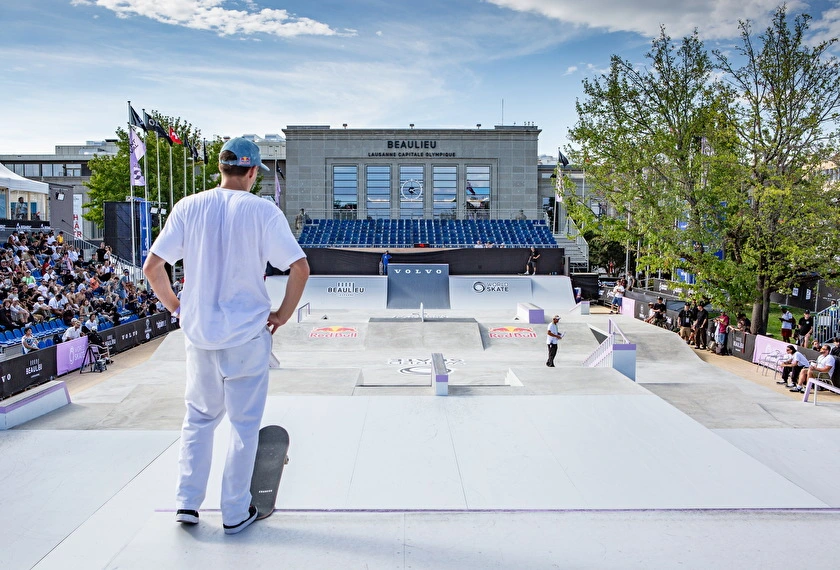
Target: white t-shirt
[(71, 334), (225, 238), (826, 360), (618, 291), (801, 359), (552, 328), (788, 322)]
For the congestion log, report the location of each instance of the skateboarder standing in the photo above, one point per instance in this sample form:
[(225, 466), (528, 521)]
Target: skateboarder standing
[(552, 339), (225, 237)]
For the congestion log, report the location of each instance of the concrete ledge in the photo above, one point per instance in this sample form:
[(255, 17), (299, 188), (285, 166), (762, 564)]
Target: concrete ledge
[(530, 313), (33, 403), (440, 374)]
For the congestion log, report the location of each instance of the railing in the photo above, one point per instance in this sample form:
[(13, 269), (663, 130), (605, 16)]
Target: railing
[(614, 352), (827, 324), (120, 264), (308, 308), (396, 214)]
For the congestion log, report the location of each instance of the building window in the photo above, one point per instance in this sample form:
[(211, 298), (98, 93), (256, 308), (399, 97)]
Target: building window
[(17, 168), (445, 190), (32, 170), (477, 193), (378, 189), (345, 191), (411, 191), (73, 170)]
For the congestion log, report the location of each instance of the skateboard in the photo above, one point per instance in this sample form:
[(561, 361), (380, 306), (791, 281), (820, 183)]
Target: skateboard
[(272, 456)]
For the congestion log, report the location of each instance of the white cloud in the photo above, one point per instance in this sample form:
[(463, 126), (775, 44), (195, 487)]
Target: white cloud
[(828, 26), (571, 69), (714, 19), (211, 15)]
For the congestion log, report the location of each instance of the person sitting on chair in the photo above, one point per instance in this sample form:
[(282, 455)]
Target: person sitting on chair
[(29, 342), (792, 364), (824, 363)]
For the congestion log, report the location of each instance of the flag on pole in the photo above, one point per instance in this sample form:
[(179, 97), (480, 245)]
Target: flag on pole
[(204, 149), (137, 151), (277, 189), (563, 160), (173, 136), (134, 119), (155, 126), (193, 150)]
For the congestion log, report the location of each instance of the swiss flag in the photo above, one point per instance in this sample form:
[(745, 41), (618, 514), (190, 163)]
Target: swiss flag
[(174, 136)]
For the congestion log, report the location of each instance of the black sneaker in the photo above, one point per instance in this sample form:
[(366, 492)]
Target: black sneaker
[(186, 516), (252, 516)]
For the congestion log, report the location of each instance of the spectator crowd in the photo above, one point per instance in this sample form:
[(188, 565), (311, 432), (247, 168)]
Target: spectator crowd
[(43, 277)]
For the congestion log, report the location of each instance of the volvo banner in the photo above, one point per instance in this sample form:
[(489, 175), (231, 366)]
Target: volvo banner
[(410, 284)]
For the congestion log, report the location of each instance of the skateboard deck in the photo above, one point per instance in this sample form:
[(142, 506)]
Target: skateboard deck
[(272, 456)]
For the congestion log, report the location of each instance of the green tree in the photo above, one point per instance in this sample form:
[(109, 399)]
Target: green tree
[(110, 175), (720, 177), (645, 135), (785, 106)]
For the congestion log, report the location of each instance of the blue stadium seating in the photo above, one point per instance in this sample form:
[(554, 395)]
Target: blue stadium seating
[(435, 233)]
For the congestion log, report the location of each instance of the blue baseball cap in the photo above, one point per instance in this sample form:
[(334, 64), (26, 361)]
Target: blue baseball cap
[(247, 154)]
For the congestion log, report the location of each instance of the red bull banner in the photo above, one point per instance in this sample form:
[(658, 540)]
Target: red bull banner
[(512, 332), (333, 332)]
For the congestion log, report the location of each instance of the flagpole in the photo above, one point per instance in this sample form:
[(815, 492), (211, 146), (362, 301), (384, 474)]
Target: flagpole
[(131, 190), (204, 165), (157, 162), (192, 174), (171, 182), (184, 148)]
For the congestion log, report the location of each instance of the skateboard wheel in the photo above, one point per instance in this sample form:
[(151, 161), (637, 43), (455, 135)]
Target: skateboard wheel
[(286, 461)]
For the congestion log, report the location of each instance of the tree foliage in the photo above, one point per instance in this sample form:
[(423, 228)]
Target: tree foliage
[(716, 168), (110, 175)]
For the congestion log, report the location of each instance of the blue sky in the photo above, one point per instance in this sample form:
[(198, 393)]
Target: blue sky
[(254, 66)]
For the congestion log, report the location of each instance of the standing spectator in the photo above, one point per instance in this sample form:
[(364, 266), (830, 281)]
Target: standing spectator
[(531, 264), (386, 258), (225, 237), (685, 318), (618, 297), (787, 323), (553, 338), (700, 325), (806, 326), (743, 323), (721, 326)]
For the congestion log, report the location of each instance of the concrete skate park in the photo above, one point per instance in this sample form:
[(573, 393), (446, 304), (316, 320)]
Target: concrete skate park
[(519, 466)]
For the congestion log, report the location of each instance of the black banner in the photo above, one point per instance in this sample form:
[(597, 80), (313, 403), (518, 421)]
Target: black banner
[(28, 370)]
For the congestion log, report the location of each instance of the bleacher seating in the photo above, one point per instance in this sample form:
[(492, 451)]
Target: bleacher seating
[(434, 233)]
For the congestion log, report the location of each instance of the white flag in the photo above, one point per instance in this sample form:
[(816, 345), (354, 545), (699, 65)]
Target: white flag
[(137, 150)]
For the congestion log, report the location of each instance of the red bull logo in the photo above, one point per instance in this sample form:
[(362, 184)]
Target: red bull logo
[(333, 332), (512, 332)]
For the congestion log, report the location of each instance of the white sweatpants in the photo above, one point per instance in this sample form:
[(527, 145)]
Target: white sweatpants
[(233, 380)]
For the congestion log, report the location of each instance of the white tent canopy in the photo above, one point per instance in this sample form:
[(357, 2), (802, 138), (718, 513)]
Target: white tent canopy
[(14, 182)]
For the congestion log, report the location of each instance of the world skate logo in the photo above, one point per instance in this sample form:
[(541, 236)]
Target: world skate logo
[(492, 287)]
